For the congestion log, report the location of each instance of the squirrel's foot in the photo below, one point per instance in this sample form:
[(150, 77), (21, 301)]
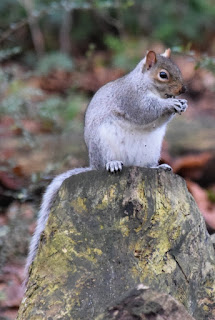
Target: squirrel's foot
[(114, 166), (164, 166), (180, 105)]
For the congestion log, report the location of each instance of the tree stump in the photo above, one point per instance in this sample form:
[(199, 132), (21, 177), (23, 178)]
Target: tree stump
[(145, 304), (107, 233)]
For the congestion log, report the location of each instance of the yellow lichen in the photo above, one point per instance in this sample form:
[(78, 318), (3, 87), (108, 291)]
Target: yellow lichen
[(88, 254), (205, 308), (122, 225), (140, 192), (62, 193), (138, 229), (142, 200), (108, 197), (170, 264), (79, 205), (98, 251), (152, 261)]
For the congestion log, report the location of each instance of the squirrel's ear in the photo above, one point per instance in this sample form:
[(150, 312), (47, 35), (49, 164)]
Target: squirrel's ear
[(167, 53), (150, 59)]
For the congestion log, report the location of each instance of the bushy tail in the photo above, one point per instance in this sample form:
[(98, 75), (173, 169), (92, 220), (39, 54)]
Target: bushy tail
[(47, 201)]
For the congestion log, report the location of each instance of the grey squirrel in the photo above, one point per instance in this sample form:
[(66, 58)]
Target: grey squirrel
[(125, 124)]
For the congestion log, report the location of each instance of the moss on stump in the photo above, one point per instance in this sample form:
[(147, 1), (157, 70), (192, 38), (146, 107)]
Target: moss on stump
[(107, 233)]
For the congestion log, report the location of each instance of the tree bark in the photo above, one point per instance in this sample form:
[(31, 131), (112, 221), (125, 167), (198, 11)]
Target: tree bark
[(64, 37), (107, 233), (36, 33)]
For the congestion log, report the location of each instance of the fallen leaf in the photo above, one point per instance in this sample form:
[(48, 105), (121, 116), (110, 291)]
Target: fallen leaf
[(9, 182), (191, 166), (205, 206)]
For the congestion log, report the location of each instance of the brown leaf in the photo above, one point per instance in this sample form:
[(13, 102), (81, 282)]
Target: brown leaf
[(56, 81), (205, 206), (7, 127), (93, 80), (31, 126), (11, 285), (9, 313), (191, 166), (9, 181)]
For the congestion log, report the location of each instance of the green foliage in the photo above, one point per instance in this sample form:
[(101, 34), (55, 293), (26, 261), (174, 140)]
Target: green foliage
[(126, 52), (207, 63), (171, 21), (54, 61), (90, 51), (18, 100), (57, 109), (183, 49), (4, 79), (10, 12), (204, 61), (7, 53), (49, 108), (114, 43), (73, 106), (21, 101)]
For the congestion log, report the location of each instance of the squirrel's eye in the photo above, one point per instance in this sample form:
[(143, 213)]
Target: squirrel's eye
[(163, 75)]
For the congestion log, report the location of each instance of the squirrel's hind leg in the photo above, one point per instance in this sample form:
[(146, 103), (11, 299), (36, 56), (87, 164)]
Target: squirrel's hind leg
[(164, 166)]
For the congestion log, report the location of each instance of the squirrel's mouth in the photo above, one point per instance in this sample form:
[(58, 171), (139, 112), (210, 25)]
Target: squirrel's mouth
[(169, 95)]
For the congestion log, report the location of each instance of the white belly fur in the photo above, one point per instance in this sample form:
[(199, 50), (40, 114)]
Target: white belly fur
[(134, 147)]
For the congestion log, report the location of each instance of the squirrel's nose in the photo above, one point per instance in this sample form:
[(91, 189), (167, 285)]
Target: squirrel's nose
[(182, 90)]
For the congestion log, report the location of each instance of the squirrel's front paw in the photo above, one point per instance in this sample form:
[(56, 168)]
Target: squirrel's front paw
[(114, 166), (179, 105)]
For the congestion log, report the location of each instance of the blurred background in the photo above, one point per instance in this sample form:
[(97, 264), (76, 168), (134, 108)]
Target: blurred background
[(53, 56)]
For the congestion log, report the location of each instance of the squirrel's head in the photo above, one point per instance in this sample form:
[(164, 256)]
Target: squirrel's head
[(166, 78)]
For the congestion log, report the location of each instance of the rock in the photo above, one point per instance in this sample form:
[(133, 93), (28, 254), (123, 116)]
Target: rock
[(107, 233)]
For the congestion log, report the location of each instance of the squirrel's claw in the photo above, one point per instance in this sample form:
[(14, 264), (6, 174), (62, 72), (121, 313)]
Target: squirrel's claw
[(114, 166), (163, 166)]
